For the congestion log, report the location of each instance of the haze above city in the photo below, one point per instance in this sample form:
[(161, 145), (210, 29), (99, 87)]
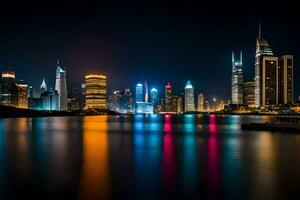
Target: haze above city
[(133, 42)]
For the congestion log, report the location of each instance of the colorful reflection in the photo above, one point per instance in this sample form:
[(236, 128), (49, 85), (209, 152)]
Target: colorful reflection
[(189, 125), (168, 162), (147, 158), (95, 180), (212, 124)]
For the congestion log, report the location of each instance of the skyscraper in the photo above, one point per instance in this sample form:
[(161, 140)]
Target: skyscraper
[(286, 77), (248, 95), (22, 94), (50, 100), (139, 93), (95, 91), (154, 96), (189, 97), (8, 89), (200, 103), (262, 49), (43, 86), (237, 81), (61, 87), (146, 92), (168, 97)]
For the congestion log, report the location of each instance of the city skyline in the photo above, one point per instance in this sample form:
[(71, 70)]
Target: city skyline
[(163, 41)]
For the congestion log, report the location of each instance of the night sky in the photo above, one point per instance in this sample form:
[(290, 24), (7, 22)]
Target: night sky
[(133, 42)]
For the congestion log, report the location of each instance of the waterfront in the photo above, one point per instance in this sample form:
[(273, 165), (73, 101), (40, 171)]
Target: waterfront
[(146, 157)]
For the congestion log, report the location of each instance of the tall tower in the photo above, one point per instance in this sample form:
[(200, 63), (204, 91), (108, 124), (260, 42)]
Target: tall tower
[(168, 97), (139, 93), (43, 86), (154, 96), (61, 87), (146, 92), (200, 103), (189, 97), (286, 78), (237, 80), (95, 91), (262, 49)]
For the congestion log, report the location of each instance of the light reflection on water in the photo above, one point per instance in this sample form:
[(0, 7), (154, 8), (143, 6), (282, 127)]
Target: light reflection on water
[(146, 157)]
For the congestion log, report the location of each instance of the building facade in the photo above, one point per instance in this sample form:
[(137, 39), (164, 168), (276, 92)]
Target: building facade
[(189, 97), (95, 92), (200, 103), (22, 95), (286, 79), (154, 96), (249, 98), (139, 97), (8, 89), (61, 87), (50, 100), (237, 80), (168, 98)]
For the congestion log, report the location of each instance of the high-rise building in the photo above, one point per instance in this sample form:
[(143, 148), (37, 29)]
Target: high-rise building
[(168, 97), (201, 103), (286, 79), (146, 92), (95, 91), (248, 95), (179, 104), (114, 101), (262, 49), (74, 96), (30, 91), (237, 80), (22, 94), (8, 89), (43, 86), (189, 97), (50, 100), (207, 106), (154, 96), (126, 101), (139, 93), (82, 103), (61, 87)]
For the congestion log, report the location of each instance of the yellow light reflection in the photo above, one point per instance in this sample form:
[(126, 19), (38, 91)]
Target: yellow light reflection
[(95, 180)]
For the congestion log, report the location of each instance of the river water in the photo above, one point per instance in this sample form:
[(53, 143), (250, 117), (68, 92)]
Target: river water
[(146, 157)]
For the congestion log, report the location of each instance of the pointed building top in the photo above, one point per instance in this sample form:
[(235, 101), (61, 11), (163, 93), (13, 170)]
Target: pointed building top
[(259, 30), (58, 62), (188, 85)]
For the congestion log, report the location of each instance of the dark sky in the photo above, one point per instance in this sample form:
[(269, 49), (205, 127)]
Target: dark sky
[(132, 42)]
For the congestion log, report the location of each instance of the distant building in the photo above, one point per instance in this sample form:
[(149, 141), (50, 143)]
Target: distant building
[(154, 96), (144, 108), (8, 89), (22, 94), (146, 92), (286, 79), (61, 87), (189, 97), (50, 100), (35, 103), (95, 91), (168, 98), (179, 104), (139, 93), (126, 101), (200, 103), (75, 100), (82, 103), (30, 91), (43, 87), (114, 101), (249, 97), (207, 106), (237, 80)]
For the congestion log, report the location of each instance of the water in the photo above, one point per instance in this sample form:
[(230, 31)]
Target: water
[(146, 157)]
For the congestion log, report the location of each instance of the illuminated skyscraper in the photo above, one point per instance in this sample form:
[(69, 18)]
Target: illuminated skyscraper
[(248, 95), (286, 79), (22, 94), (168, 97), (154, 96), (146, 92), (200, 103), (139, 93), (189, 97), (237, 81), (95, 91), (61, 87), (262, 49), (50, 100), (43, 86), (8, 89)]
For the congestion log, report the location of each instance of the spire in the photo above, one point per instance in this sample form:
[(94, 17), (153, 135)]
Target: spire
[(232, 58), (241, 58), (146, 92), (259, 30), (58, 62)]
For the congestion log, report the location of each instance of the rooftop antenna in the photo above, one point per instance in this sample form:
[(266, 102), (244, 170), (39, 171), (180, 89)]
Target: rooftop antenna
[(241, 58), (259, 30)]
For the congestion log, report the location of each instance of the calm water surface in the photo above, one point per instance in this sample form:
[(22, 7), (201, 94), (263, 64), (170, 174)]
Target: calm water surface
[(146, 157)]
